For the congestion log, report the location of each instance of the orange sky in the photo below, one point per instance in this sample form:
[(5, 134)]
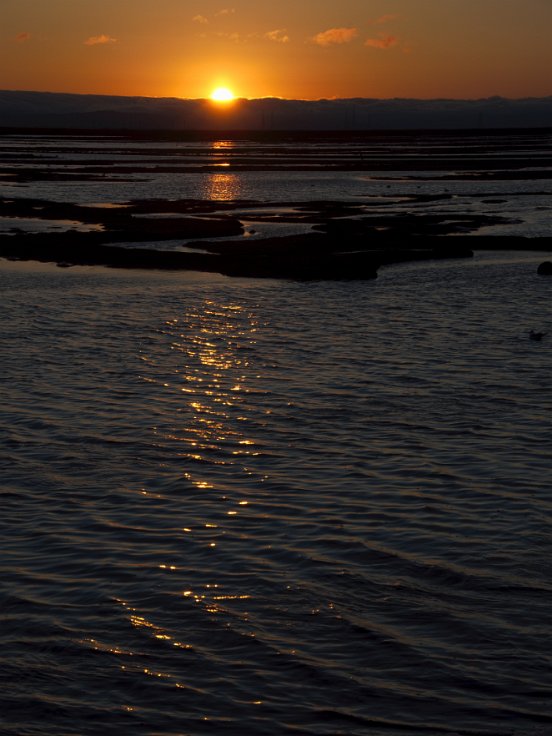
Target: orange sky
[(305, 50)]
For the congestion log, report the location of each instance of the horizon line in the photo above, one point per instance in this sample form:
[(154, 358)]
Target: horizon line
[(280, 99)]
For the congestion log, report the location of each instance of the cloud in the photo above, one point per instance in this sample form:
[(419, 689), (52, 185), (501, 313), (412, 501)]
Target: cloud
[(385, 18), (382, 42), (226, 11), (99, 40), (22, 37), (235, 37), (279, 35), (200, 19), (335, 35)]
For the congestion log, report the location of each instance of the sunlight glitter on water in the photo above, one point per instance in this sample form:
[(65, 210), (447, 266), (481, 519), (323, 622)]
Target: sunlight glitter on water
[(220, 187), (234, 506)]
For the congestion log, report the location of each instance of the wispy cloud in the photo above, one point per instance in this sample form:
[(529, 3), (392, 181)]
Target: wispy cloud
[(279, 35), (200, 19), (385, 18), (99, 40), (226, 11), (22, 37), (235, 37), (335, 36), (382, 41)]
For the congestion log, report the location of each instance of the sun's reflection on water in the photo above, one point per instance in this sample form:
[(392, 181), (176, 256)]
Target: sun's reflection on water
[(145, 625), (206, 423), (201, 371), (223, 145), (222, 186)]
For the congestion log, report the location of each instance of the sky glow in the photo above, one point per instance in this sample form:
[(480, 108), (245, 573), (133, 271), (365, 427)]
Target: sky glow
[(309, 50)]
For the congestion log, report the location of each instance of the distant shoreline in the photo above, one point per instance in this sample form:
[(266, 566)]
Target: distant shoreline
[(51, 111), (264, 135)]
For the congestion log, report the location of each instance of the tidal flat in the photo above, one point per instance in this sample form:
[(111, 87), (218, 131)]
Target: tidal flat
[(324, 206)]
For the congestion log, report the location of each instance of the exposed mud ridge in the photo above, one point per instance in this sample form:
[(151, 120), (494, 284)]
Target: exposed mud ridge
[(344, 243)]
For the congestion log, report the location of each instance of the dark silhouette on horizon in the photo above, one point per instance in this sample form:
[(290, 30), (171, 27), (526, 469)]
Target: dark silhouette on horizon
[(96, 112)]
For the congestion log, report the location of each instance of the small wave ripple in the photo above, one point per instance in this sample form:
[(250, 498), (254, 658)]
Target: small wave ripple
[(267, 508)]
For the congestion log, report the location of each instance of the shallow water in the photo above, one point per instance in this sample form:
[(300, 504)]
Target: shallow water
[(393, 169), (263, 507)]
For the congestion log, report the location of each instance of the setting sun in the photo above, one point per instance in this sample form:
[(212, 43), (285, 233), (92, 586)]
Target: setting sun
[(222, 94)]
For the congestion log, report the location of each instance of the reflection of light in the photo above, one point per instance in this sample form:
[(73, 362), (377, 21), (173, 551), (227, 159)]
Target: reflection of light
[(220, 150), (100, 647), (142, 624), (212, 361), (202, 484), (212, 599), (223, 186)]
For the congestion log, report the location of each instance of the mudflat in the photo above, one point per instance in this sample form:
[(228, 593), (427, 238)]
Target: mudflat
[(321, 238)]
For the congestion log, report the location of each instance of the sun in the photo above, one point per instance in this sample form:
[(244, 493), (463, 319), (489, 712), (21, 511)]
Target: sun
[(222, 94)]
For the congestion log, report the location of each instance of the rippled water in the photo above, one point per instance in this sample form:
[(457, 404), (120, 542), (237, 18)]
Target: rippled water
[(245, 507)]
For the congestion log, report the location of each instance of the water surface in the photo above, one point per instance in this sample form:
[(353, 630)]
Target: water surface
[(264, 507)]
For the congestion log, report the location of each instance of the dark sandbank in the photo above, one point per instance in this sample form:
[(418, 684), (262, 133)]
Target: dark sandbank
[(342, 244)]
